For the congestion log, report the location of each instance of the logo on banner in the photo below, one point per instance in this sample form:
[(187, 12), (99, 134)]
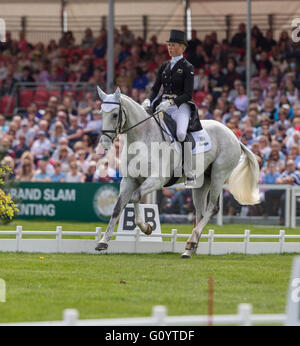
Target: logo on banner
[(127, 221), (105, 199)]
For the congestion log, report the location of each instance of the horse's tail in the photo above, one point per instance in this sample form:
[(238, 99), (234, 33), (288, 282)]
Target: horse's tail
[(244, 178)]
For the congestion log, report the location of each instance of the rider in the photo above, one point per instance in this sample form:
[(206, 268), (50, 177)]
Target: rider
[(177, 78)]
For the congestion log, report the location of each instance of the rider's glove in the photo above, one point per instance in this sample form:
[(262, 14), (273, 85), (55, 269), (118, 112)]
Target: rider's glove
[(162, 107)]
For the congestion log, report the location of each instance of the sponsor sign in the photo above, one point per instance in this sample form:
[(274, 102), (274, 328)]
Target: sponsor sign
[(127, 221)]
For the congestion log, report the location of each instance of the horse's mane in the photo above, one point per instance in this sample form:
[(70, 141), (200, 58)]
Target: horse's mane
[(129, 100)]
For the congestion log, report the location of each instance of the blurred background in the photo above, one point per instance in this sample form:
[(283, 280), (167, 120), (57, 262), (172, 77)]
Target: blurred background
[(246, 76)]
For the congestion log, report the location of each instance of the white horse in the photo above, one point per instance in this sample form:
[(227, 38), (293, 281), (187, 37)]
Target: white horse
[(228, 160)]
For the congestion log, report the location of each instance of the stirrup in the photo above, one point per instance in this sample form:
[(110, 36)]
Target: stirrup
[(190, 180)]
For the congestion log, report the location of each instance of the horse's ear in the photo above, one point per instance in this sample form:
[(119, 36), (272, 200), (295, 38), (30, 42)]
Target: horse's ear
[(101, 93), (118, 94)]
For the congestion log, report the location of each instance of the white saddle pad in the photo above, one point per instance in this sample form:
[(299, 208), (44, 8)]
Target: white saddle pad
[(203, 142), (202, 139)]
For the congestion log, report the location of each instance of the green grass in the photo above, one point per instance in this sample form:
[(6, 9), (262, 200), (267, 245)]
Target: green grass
[(40, 286)]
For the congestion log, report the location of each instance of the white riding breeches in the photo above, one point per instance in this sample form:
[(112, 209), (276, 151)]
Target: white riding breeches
[(181, 115)]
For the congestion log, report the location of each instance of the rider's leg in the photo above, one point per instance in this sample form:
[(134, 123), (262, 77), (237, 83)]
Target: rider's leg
[(182, 118)]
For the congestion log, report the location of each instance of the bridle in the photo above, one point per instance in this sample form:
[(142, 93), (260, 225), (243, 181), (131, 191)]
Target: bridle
[(118, 129)]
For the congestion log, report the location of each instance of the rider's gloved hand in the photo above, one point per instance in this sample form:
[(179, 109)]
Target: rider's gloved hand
[(162, 107), (146, 104)]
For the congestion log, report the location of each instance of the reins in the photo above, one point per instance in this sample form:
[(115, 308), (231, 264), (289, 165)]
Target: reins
[(119, 125)]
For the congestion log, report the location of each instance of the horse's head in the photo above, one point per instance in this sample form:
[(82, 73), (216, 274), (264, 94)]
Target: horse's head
[(111, 117)]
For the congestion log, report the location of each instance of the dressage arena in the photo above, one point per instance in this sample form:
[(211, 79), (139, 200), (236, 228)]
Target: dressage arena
[(111, 286)]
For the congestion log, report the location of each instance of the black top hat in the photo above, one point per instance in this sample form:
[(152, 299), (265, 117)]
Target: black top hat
[(177, 36)]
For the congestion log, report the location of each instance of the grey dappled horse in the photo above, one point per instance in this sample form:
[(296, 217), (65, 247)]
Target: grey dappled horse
[(228, 160)]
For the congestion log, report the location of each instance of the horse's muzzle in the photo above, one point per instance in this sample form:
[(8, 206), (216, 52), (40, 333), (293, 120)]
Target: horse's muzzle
[(106, 142)]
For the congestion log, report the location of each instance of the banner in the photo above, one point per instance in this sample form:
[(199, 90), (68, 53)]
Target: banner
[(86, 202)]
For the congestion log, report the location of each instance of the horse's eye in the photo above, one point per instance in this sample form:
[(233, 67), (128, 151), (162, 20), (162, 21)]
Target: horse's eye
[(115, 115)]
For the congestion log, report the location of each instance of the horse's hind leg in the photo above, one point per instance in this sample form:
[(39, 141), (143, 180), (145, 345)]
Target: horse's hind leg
[(218, 178), (200, 203), (200, 198)]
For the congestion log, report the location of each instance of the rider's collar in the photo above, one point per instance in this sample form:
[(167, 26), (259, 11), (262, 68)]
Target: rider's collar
[(175, 59)]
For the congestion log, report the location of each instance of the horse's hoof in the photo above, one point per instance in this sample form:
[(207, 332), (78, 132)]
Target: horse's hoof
[(186, 255), (190, 246), (101, 246), (148, 230)]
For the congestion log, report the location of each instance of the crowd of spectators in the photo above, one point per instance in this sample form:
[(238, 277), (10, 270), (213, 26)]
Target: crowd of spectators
[(56, 142)]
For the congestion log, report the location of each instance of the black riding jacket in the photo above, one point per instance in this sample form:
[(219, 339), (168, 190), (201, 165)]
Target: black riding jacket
[(178, 81)]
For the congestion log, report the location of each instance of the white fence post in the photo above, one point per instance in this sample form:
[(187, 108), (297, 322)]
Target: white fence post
[(246, 240), (174, 238), (70, 317), (211, 233), (281, 240), (137, 238), (244, 312), (98, 233), (19, 236), (159, 313), (293, 209), (58, 237)]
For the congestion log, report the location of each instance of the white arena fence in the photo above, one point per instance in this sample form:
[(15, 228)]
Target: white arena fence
[(280, 243), (159, 317)]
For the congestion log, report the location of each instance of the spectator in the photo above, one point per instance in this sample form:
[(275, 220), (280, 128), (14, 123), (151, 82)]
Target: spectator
[(201, 81), (41, 144), (3, 126), (63, 157), (58, 175), (241, 101), (41, 175), (91, 175), (74, 132), (58, 133), (20, 147), (81, 160), (26, 171), (88, 40), (87, 145), (290, 176), (239, 39), (216, 80), (73, 176)]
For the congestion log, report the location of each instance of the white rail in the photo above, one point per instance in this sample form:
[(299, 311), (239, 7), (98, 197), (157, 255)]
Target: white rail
[(159, 317), (138, 245)]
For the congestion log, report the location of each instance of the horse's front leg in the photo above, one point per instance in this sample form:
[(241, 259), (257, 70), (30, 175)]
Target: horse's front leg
[(148, 186), (128, 185), (140, 222)]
